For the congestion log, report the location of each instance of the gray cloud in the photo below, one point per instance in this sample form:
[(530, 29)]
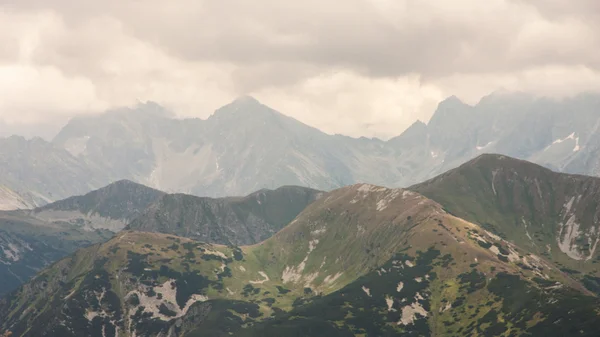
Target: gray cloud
[(195, 55)]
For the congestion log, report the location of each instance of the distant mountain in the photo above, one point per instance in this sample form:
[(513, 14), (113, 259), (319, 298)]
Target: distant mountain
[(10, 200), (361, 260), (555, 215), (243, 147), (27, 245), (246, 146), (41, 172), (232, 221), (111, 207)]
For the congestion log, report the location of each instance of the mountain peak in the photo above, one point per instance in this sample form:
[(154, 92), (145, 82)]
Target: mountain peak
[(246, 100), (450, 111), (414, 135), (121, 200), (453, 99), (496, 161), (244, 107)]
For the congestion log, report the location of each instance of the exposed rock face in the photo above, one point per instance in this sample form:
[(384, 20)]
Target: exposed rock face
[(11, 200), (246, 146)]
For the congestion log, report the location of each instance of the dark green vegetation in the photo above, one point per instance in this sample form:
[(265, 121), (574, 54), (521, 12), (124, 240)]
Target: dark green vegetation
[(551, 214), (118, 203), (234, 220), (32, 239), (28, 245), (360, 261)]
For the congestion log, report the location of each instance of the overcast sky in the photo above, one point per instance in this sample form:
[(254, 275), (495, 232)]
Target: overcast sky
[(356, 67)]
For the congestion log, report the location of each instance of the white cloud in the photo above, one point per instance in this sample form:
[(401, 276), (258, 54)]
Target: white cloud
[(355, 104), (367, 67)]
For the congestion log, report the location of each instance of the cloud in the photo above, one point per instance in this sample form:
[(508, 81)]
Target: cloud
[(361, 67)]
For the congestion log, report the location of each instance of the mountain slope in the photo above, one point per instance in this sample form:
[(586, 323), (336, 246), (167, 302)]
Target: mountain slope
[(28, 245), (553, 214), (32, 239), (243, 147), (233, 220), (362, 260), (111, 207), (10, 200), (246, 146), (43, 172)]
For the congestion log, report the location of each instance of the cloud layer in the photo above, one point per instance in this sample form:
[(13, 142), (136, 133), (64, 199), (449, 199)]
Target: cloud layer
[(358, 67)]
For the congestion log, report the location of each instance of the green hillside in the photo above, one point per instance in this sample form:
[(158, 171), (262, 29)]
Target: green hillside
[(553, 214), (360, 261)]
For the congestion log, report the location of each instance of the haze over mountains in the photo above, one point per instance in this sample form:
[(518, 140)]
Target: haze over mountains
[(246, 146)]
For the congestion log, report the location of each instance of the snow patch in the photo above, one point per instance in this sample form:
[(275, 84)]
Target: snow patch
[(366, 188), (312, 245), (399, 286), (169, 292), (527, 231), (567, 207), (367, 291), (264, 276), (11, 200), (570, 233), (410, 312), (215, 253), (390, 303), (567, 238), (406, 194), (294, 274), (558, 141), (309, 279), (329, 279), (391, 196), (319, 231), (479, 148), (494, 173)]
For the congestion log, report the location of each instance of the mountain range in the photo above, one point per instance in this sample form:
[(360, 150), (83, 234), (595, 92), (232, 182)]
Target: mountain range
[(246, 146), (32, 239), (495, 247)]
